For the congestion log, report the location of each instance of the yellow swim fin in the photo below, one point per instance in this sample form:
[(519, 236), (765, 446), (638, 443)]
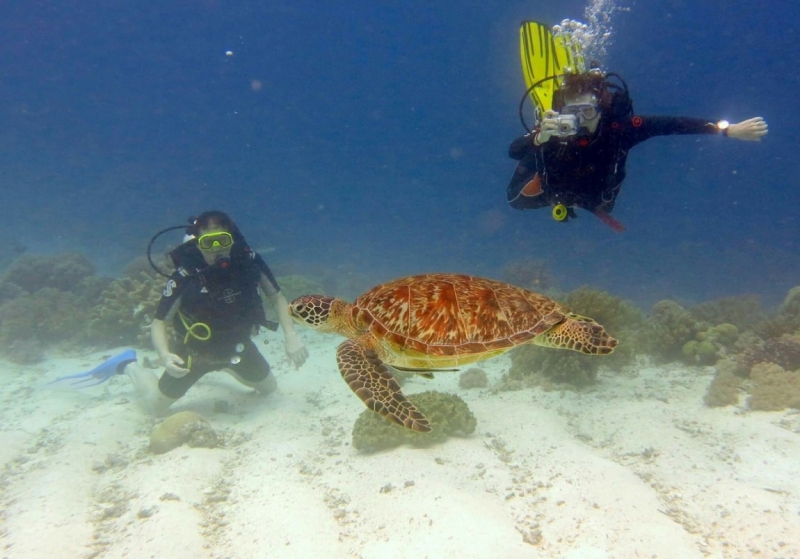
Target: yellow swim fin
[(545, 56)]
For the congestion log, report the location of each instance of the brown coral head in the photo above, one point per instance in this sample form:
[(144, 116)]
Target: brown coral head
[(782, 351)]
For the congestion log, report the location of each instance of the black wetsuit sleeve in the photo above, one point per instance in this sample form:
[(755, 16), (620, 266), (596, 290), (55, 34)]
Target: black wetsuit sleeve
[(640, 128), (264, 269), (172, 292), (521, 147)]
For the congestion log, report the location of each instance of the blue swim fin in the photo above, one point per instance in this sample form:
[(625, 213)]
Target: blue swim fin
[(113, 366)]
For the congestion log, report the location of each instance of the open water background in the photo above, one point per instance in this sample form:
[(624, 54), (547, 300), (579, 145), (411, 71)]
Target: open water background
[(372, 136)]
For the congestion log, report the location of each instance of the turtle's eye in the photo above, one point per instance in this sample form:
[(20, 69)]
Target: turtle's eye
[(311, 309)]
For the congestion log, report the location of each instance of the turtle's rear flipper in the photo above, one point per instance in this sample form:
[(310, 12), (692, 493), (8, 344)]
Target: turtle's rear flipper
[(370, 379), (578, 333)]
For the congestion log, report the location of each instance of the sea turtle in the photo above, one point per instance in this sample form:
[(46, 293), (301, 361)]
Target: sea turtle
[(424, 323)]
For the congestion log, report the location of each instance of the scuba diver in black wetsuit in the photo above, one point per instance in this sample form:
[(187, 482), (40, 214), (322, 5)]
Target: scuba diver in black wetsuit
[(576, 157), (213, 301)]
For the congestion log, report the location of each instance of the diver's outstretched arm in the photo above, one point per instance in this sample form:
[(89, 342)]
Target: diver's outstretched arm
[(750, 130)]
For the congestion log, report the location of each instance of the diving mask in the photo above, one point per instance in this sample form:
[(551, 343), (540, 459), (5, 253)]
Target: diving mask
[(215, 241), (584, 111)]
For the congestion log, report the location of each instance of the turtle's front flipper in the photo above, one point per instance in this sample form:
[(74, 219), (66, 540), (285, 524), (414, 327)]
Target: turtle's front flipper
[(367, 376)]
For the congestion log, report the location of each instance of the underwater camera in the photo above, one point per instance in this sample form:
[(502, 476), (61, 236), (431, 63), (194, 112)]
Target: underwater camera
[(567, 125)]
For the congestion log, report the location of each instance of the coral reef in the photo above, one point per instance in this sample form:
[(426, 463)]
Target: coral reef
[(449, 415), (723, 334), (140, 265), (791, 304), (787, 321), (33, 272), (32, 321), (742, 311), (670, 327), (620, 318), (723, 390), (24, 352), (538, 366), (186, 427), (774, 388), (9, 291), (782, 351), (711, 345), (47, 300), (614, 313), (699, 353), (125, 311), (473, 378)]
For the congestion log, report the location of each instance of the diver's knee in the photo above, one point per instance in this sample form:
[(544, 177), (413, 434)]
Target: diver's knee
[(157, 404), (267, 385)]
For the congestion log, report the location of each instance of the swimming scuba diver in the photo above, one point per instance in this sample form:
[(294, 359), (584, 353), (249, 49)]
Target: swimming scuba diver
[(575, 157), (213, 301)]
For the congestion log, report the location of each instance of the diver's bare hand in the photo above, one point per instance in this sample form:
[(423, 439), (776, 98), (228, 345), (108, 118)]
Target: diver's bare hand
[(750, 130), (172, 363), (547, 128), (296, 351)]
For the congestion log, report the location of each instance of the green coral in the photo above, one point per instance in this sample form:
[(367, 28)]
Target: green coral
[(449, 416), (670, 327), (699, 353), (722, 334), (711, 344)]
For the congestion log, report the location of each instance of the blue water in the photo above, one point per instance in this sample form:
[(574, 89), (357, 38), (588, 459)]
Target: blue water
[(373, 135)]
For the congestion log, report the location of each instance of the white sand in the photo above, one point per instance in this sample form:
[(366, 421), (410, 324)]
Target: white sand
[(638, 467)]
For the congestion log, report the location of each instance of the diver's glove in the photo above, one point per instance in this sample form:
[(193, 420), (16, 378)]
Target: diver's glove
[(113, 366)]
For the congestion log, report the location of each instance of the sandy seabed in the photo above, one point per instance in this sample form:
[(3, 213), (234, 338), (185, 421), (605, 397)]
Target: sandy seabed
[(636, 467)]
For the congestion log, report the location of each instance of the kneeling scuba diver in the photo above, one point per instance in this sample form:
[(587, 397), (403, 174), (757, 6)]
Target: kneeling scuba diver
[(213, 298), (226, 270)]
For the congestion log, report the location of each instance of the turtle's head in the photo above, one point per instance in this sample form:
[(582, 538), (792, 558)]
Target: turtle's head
[(315, 311)]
